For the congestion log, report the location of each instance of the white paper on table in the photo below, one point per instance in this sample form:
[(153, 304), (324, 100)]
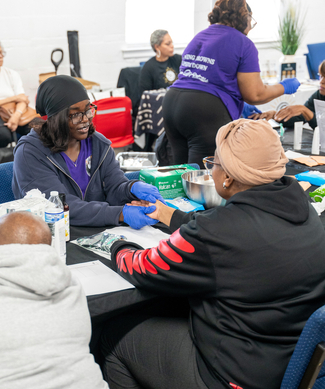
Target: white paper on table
[(96, 278), (274, 124), (146, 237), (292, 154)]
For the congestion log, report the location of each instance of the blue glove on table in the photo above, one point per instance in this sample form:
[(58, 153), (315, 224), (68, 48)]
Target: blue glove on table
[(290, 85), (136, 217), (146, 192), (249, 110)]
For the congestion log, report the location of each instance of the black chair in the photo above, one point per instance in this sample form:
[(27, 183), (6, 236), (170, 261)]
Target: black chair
[(129, 79)]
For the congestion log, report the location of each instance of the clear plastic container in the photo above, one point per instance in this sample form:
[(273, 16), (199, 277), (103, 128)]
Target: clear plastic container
[(134, 161)]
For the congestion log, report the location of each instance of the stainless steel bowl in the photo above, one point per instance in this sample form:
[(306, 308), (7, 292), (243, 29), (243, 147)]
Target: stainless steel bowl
[(200, 189)]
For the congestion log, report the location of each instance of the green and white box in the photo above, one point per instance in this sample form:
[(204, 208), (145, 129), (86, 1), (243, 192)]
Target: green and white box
[(168, 179)]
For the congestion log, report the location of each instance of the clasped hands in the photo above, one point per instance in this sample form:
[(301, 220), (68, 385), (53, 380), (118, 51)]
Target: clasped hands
[(143, 211), (13, 121)]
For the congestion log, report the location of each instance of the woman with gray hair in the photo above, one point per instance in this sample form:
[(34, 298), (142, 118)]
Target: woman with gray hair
[(161, 70)]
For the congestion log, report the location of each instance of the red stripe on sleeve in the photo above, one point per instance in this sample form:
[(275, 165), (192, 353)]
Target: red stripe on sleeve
[(136, 265), (148, 266), (177, 240), (165, 249), (156, 259)]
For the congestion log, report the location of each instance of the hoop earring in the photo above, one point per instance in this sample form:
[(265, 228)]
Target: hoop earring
[(224, 185), (158, 53)]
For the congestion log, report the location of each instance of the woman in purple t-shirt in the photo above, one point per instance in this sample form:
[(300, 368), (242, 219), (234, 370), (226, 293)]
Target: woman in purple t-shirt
[(219, 71)]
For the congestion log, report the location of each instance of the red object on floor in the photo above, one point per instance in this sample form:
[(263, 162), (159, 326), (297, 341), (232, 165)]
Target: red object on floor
[(235, 386), (113, 119)]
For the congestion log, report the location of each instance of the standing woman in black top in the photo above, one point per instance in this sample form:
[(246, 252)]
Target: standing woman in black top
[(161, 70)]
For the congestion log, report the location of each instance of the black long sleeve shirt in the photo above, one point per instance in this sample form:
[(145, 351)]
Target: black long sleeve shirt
[(253, 271)]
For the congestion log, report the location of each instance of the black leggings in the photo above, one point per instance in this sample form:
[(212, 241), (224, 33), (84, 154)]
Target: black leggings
[(142, 351), (192, 119), (6, 134)]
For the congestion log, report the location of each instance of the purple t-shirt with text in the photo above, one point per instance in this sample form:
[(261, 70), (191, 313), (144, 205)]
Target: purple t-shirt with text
[(211, 61), (80, 169)]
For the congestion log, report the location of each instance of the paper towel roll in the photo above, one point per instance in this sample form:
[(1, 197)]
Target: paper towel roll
[(297, 136), (315, 144)]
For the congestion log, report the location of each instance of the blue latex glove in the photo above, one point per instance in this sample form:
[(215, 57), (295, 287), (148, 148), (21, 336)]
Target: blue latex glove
[(136, 217), (249, 110), (146, 192), (290, 85)]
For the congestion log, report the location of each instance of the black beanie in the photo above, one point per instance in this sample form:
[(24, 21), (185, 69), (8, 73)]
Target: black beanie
[(57, 93)]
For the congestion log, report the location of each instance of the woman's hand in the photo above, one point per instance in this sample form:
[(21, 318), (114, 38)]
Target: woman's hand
[(163, 212), (147, 192), (267, 115), (249, 110), (136, 217), (293, 110), (12, 123), (21, 98)]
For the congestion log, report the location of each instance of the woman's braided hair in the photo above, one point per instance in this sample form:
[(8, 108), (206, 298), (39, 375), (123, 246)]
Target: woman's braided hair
[(232, 13)]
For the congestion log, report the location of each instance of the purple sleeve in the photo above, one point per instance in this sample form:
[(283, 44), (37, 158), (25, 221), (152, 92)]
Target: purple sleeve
[(249, 59)]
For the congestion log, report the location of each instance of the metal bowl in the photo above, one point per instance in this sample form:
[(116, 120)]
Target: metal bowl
[(199, 186)]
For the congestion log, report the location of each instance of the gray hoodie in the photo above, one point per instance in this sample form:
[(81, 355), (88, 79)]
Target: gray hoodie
[(44, 323)]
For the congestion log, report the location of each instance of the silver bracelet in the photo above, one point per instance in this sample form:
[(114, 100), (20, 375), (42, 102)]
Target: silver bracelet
[(18, 110)]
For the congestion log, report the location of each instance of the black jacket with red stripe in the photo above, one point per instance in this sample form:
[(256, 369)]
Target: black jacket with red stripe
[(253, 271)]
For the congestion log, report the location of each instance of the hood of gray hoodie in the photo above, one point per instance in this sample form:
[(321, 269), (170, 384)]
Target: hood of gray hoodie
[(34, 268)]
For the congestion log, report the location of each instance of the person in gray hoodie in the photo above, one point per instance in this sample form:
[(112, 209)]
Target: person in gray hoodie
[(44, 323)]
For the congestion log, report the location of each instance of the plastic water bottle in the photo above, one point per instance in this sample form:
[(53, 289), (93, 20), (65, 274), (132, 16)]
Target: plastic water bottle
[(54, 217), (66, 216)]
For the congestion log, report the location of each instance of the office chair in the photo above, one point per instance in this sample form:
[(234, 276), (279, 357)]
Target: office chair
[(129, 79), (316, 54), (113, 119), (6, 171), (306, 369)]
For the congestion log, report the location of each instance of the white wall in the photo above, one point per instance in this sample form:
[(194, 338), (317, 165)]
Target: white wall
[(30, 31)]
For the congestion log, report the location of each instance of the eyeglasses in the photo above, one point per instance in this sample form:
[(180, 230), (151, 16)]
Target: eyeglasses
[(320, 76), (253, 22), (76, 118), (2, 53), (209, 162)]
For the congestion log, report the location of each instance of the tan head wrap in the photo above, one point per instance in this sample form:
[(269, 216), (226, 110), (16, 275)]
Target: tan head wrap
[(250, 152)]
